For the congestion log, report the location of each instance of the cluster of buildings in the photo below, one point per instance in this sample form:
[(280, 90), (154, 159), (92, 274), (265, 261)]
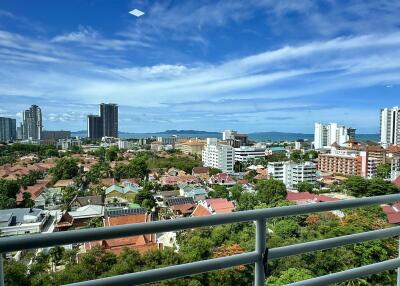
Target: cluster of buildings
[(340, 153), (30, 129)]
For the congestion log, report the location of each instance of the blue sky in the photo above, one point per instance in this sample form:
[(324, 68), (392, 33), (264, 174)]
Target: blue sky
[(255, 65)]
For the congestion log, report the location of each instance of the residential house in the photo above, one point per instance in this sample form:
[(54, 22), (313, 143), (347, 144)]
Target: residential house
[(49, 199), (218, 205), (392, 213), (179, 179), (275, 151), (222, 179), (197, 193), (83, 214), (141, 243), (79, 202), (63, 183), (124, 193), (201, 172), (200, 210), (180, 206)]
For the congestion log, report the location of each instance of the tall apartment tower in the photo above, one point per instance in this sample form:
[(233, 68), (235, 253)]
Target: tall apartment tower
[(8, 129), (327, 134), (105, 124), (32, 123), (390, 128), (109, 116), (94, 127)]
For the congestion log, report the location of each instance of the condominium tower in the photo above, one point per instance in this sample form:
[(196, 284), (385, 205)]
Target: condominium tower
[(390, 128), (105, 124), (8, 130), (327, 134), (32, 123)]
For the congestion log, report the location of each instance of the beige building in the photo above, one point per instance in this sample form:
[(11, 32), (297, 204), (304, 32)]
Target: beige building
[(192, 146)]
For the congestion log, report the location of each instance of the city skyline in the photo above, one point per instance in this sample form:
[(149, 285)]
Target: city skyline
[(275, 68)]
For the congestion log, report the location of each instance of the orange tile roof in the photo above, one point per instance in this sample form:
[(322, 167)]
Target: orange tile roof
[(200, 211)]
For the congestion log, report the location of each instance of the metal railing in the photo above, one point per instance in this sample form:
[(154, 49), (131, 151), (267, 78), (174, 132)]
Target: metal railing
[(259, 257)]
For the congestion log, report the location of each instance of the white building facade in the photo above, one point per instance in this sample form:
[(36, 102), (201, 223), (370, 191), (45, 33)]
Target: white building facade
[(389, 126), (327, 134), (218, 155), (246, 153), (292, 173)]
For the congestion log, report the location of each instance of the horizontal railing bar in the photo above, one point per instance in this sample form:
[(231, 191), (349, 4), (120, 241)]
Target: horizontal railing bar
[(280, 252), (8, 244), (175, 271), (350, 274)]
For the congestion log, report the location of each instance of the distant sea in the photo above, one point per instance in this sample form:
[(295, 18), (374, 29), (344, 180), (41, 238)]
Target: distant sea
[(260, 136)]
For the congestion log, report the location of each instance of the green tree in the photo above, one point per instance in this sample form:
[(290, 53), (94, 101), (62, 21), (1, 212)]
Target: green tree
[(219, 191), (271, 191), (95, 222), (236, 192), (66, 168), (305, 186), (378, 187), (356, 186), (145, 199), (56, 254), (213, 171), (15, 273), (27, 201), (111, 153), (289, 276), (383, 170), (248, 201), (8, 193)]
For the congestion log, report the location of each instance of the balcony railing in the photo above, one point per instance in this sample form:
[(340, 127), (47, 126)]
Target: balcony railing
[(259, 257)]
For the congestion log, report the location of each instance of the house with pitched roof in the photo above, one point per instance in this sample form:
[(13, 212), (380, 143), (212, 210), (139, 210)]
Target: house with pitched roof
[(195, 192), (218, 205), (222, 179), (126, 192), (78, 202), (141, 243)]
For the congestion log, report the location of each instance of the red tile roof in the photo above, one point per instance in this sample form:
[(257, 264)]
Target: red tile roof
[(200, 211), (220, 205), (221, 178), (34, 190), (397, 182), (392, 212), (306, 196), (142, 243)]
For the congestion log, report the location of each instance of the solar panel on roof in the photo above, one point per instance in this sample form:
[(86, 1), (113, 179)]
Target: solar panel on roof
[(122, 212)]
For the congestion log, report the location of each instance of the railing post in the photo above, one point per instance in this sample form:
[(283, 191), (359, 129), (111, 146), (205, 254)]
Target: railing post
[(259, 271), (1, 270), (398, 269)]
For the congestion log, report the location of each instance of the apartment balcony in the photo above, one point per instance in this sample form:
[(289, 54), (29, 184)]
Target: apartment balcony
[(259, 257)]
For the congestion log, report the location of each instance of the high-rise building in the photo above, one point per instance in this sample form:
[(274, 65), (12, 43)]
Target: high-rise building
[(105, 125), (32, 123), (94, 127), (8, 130), (109, 116), (327, 134), (219, 156), (390, 128)]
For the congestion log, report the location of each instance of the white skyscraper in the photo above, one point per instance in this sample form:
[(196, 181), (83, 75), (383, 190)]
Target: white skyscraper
[(327, 134), (390, 129), (219, 156)]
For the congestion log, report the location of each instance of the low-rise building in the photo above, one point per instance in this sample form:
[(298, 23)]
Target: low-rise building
[(191, 146), (222, 179), (246, 153), (275, 151), (22, 221), (292, 173), (218, 205)]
